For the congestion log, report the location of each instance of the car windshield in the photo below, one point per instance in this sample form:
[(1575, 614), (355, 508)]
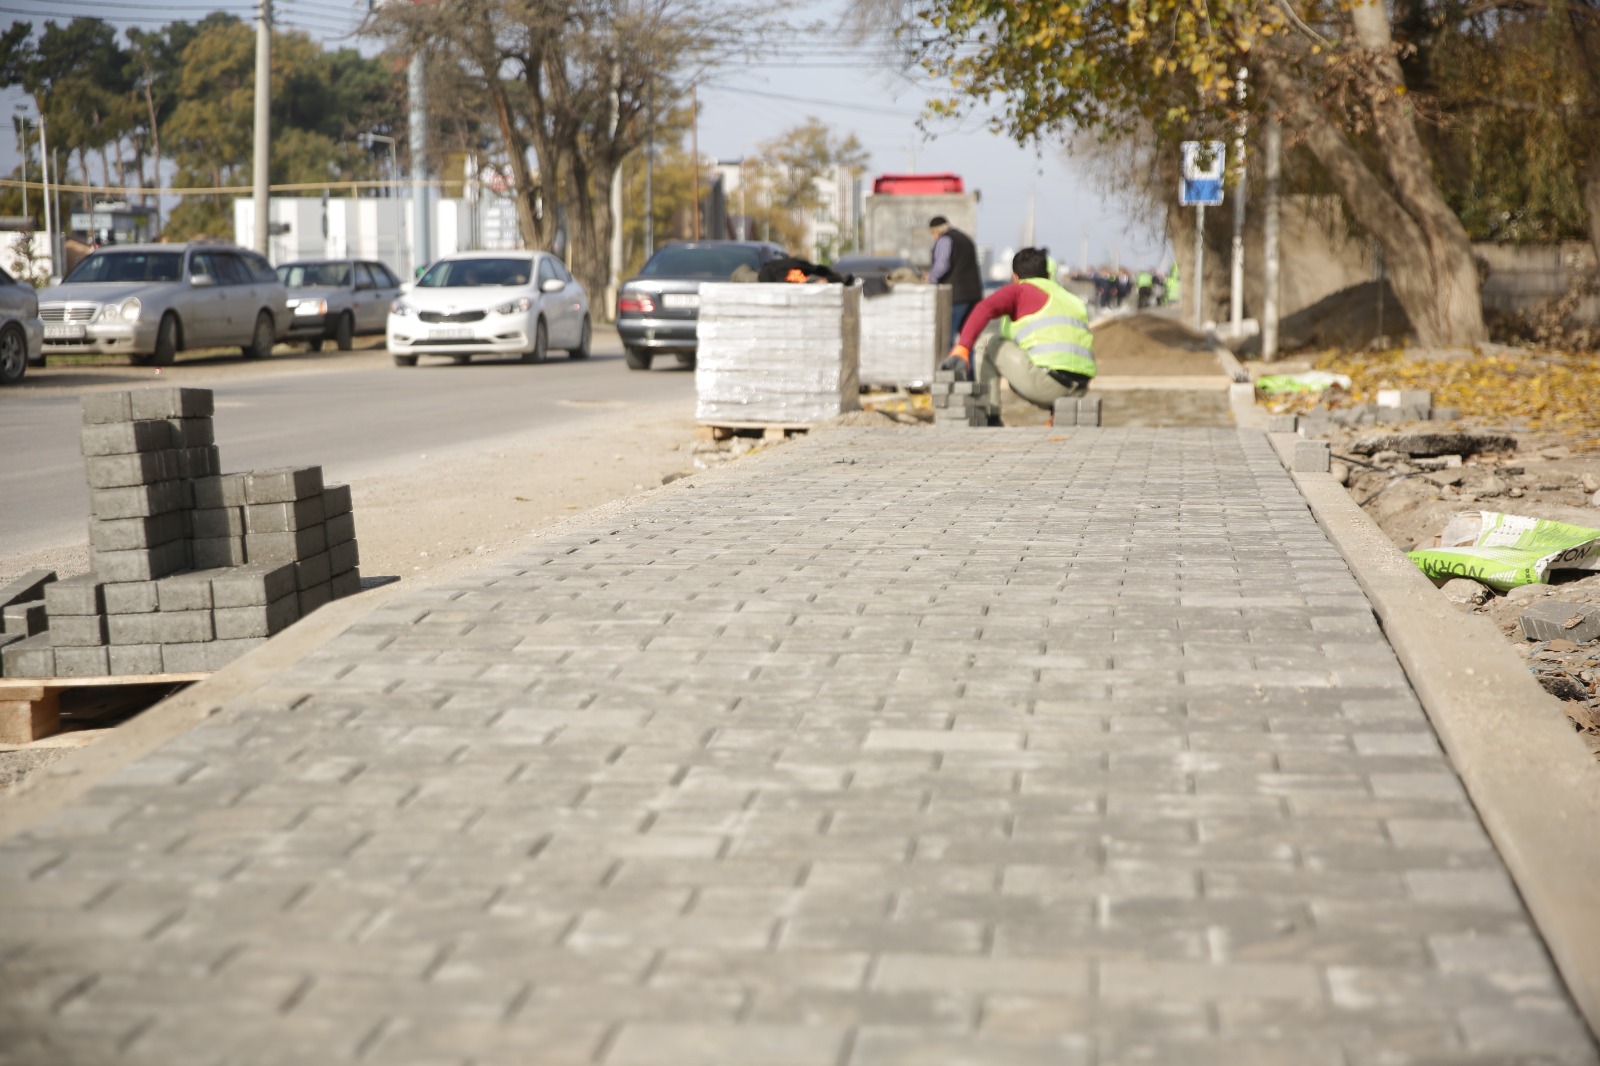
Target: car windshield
[(128, 266), (710, 261), (308, 275), (471, 273)]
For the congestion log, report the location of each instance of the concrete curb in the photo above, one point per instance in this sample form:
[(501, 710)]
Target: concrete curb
[(1533, 782), (69, 778)]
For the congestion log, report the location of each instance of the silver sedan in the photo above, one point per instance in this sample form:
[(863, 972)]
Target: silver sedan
[(21, 332), (337, 299)]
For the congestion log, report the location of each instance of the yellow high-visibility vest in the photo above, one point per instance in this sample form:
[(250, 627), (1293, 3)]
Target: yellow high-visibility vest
[(1056, 337)]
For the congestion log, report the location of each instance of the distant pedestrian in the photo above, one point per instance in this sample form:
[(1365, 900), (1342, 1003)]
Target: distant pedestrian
[(955, 263)]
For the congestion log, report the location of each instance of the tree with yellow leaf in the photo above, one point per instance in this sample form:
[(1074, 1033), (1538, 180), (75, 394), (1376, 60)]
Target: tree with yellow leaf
[(1329, 69)]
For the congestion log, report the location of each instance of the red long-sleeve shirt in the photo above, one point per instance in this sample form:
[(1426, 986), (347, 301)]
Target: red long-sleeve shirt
[(1014, 301)]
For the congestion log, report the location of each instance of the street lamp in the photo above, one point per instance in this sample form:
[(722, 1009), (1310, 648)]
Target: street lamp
[(44, 161)]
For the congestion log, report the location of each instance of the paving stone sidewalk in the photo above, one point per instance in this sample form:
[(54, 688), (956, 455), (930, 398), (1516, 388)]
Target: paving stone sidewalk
[(992, 748)]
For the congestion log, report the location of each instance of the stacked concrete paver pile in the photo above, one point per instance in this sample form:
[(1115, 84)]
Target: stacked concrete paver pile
[(189, 568), (777, 353), (904, 334)]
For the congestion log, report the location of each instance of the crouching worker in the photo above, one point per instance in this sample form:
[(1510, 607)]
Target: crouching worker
[(1044, 349)]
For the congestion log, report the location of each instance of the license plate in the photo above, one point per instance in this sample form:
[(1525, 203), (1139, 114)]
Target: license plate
[(65, 333), (448, 334), (680, 299)]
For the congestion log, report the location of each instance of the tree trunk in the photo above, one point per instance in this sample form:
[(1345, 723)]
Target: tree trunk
[(1591, 200), (1425, 248), (590, 219)]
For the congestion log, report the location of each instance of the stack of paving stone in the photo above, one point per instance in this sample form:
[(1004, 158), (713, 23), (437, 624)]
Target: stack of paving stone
[(956, 403), (1394, 406), (190, 568), (1076, 411), (22, 607), (904, 334), (777, 353)]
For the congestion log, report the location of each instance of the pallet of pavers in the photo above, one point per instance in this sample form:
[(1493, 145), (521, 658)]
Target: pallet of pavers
[(904, 334), (189, 567), (777, 354)]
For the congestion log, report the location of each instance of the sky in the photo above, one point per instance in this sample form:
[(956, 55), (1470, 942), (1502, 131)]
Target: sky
[(743, 104)]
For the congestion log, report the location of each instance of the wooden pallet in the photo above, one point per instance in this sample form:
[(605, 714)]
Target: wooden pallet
[(764, 430), (30, 708)]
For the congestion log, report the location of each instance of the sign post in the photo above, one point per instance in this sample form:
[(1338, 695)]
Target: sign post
[(1200, 188)]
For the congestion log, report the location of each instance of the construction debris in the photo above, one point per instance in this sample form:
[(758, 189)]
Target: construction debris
[(1559, 620), (1429, 443)]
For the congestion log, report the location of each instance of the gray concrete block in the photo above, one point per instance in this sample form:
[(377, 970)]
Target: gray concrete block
[(141, 564), (1561, 620), (940, 376), (940, 388), (187, 592), (1312, 457), (82, 662), (283, 517), (313, 571), (124, 438), (6, 640), (130, 597), (209, 553), (1064, 412), (343, 557), (254, 585), (77, 630), (194, 432), (1282, 423), (1088, 410), (222, 490), (285, 547), (283, 485), (216, 522), (126, 629), (1445, 414), (29, 657), (139, 501), (205, 657), (133, 660), (183, 627), (30, 586), (23, 619), (102, 407), (345, 584), (336, 500), (126, 534), (234, 623), (172, 403), (314, 597), (963, 388), (78, 595), (199, 462), (138, 468)]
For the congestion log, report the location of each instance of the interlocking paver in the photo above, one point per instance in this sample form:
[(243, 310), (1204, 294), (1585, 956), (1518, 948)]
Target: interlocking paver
[(890, 747)]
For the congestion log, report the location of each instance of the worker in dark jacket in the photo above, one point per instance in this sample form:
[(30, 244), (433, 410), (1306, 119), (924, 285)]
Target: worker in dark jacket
[(1044, 349), (955, 263)]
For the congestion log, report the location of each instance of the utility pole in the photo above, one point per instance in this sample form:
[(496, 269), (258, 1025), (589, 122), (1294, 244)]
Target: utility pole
[(649, 178), (1269, 273), (694, 147), (615, 285), (1198, 284), (263, 131), (421, 231), (1236, 294)]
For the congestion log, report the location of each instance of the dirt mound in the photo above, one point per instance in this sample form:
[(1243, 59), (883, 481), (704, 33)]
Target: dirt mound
[(1151, 345), (862, 420), (1351, 318)]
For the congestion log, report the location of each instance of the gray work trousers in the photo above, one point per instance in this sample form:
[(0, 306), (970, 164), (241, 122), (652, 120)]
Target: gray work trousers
[(1006, 359)]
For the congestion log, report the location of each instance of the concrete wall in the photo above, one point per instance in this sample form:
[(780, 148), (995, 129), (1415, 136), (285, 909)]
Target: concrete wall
[(1523, 276)]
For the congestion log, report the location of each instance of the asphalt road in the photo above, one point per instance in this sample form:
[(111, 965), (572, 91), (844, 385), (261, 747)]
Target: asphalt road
[(355, 414)]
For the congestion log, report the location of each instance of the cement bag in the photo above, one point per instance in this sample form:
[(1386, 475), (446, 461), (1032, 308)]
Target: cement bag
[(1504, 550)]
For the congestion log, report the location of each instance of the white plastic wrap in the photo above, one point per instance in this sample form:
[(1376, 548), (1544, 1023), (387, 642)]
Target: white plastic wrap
[(904, 334), (777, 353)]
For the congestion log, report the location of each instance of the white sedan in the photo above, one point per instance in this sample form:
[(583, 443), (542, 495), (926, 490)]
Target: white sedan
[(491, 303)]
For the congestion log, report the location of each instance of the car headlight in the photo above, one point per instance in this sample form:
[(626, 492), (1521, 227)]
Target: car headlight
[(401, 308), (514, 306), (311, 307), (130, 309), (109, 313)]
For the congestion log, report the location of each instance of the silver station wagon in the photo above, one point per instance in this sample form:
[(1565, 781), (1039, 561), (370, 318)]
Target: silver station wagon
[(151, 301)]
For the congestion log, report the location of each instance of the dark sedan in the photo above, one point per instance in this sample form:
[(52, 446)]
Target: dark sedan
[(658, 310)]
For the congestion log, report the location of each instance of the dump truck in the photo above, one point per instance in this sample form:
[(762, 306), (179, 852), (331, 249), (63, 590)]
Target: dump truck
[(895, 216)]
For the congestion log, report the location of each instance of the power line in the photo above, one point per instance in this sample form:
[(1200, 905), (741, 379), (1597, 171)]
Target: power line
[(102, 18), (101, 4), (816, 101)]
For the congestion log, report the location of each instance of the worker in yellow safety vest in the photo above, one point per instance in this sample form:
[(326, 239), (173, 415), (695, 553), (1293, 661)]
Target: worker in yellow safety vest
[(1044, 349)]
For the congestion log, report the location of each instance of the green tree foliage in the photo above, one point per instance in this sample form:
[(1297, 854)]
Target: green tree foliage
[(184, 95)]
